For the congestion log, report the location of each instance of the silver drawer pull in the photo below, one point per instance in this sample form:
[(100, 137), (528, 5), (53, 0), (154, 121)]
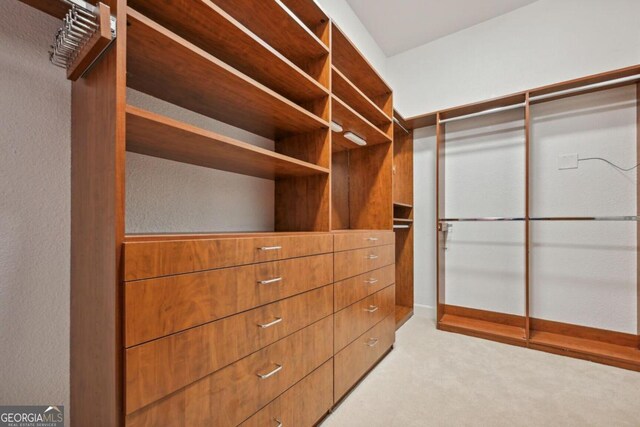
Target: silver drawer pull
[(371, 281), (278, 421), (371, 256), (270, 324), (372, 342), (269, 281), (372, 309), (270, 248), (270, 374), (371, 239)]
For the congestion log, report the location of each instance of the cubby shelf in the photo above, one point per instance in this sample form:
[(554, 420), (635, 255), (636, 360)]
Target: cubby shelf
[(309, 13), (589, 347), (158, 136), (277, 25), (351, 95), (352, 64), (166, 66), (209, 27), (403, 205), (352, 121), (482, 328), (403, 220)]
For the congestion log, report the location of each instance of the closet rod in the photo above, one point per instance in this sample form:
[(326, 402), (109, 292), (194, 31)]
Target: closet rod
[(396, 121), (483, 219), (587, 218), (485, 112), (585, 88)]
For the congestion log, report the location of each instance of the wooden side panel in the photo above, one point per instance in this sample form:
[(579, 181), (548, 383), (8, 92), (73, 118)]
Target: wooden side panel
[(638, 209), (527, 214), (404, 267), (160, 367), (440, 213), (370, 187), (349, 291), (340, 191), (302, 405), (231, 395), (352, 263), (402, 166), (356, 319)]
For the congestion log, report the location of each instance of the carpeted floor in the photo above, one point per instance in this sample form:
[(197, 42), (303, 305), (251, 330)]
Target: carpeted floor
[(435, 378)]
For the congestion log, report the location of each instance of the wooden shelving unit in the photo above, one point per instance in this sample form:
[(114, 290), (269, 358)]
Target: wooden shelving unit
[(352, 121), (158, 136), (602, 346)]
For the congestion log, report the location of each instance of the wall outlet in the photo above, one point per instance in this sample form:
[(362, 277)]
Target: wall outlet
[(568, 161)]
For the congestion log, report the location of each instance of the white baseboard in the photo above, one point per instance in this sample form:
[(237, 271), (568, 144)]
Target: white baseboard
[(424, 311)]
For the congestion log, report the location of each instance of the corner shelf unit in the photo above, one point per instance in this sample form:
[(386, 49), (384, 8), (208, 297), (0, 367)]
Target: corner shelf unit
[(597, 345)]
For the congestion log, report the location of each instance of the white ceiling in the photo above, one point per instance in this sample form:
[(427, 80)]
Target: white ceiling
[(399, 25)]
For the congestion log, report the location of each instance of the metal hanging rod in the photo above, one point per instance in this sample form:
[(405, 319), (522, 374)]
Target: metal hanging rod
[(587, 218), (483, 219), (585, 88), (396, 121), (485, 112)]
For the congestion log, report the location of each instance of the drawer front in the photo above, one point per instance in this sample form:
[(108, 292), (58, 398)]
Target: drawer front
[(302, 405), (356, 359), (233, 394), (364, 239), (354, 320), (356, 288), (352, 263), (158, 368), (144, 260), (158, 307)]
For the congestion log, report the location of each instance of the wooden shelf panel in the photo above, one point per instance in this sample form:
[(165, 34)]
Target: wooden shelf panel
[(351, 95), (352, 121), (348, 59), (209, 27), (403, 220), (309, 13), (277, 26), (165, 66), (403, 205), (158, 136), (462, 324), (402, 315), (586, 346)]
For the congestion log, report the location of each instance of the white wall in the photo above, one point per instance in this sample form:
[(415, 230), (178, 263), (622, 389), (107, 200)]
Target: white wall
[(543, 43)]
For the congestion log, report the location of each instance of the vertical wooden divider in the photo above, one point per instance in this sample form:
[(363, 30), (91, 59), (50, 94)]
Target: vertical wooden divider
[(527, 214), (638, 211), (440, 213), (97, 231)]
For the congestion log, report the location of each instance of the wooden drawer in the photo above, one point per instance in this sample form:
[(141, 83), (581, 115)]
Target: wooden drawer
[(361, 316), (161, 306), (300, 406), (352, 263), (233, 394), (158, 368), (357, 359), (356, 288), (362, 239), (146, 259)]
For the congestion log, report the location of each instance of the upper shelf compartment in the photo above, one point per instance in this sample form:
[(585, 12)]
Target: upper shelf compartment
[(355, 67), (209, 27), (274, 23), (352, 95), (352, 121), (166, 66), (312, 16)]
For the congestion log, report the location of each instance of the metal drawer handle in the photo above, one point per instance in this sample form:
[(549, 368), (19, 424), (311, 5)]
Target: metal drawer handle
[(278, 421), (371, 256), (371, 281), (270, 248), (371, 239), (269, 281), (270, 324), (372, 309), (372, 342), (267, 375)]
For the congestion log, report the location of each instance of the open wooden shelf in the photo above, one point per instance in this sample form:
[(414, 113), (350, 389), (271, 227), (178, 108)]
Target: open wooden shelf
[(482, 328), (352, 121), (277, 26), (403, 220), (310, 14), (158, 136), (351, 95), (402, 315), (588, 347), (209, 27), (166, 66), (403, 205), (352, 64)]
